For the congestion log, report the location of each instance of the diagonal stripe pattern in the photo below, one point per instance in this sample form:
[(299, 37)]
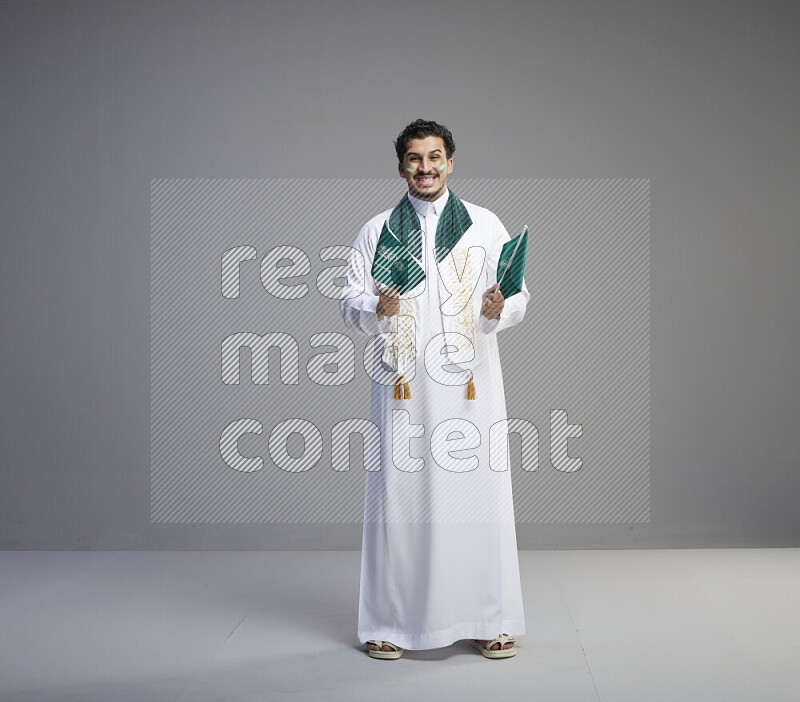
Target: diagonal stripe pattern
[(242, 273)]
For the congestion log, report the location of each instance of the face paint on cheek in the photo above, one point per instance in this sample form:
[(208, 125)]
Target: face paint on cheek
[(442, 167), (409, 169)]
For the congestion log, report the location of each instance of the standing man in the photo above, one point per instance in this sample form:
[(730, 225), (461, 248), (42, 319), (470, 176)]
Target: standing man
[(439, 550)]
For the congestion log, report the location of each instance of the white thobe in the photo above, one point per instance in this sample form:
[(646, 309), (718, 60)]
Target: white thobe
[(439, 557)]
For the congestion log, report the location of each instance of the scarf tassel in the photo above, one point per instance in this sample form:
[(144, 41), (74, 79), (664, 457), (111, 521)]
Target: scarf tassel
[(471, 389), (401, 389), (403, 392)]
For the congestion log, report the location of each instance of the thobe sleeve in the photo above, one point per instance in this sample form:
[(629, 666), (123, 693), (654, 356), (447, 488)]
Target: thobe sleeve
[(514, 309), (360, 294)]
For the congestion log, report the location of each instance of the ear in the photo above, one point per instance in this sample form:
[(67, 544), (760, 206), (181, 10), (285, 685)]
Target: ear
[(401, 170), (449, 165)]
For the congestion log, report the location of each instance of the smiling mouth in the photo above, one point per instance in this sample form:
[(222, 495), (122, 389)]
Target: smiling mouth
[(425, 180)]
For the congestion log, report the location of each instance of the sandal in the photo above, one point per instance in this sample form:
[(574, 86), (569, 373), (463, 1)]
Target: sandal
[(384, 654), (501, 652)]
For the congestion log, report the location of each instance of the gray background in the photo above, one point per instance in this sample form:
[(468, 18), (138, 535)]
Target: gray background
[(100, 98)]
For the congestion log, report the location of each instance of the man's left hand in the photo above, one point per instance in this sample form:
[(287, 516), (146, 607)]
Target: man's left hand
[(493, 302)]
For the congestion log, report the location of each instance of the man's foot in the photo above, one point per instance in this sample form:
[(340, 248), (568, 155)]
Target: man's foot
[(503, 641), (496, 645), (384, 649), (375, 647)]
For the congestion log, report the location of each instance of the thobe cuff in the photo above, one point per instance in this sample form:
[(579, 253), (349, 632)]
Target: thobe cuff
[(370, 316), (512, 313), (488, 326)]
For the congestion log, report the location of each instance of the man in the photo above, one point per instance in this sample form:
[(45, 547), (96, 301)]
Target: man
[(439, 552)]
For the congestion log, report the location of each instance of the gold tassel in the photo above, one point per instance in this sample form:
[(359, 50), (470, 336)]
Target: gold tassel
[(471, 389), (401, 389)]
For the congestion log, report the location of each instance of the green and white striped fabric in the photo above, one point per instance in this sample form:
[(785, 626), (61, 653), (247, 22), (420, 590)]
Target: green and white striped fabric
[(511, 266), (398, 256)]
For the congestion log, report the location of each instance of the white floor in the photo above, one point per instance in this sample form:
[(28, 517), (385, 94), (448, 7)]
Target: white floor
[(192, 626)]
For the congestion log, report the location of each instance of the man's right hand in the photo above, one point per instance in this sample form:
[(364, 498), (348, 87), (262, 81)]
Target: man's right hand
[(389, 304)]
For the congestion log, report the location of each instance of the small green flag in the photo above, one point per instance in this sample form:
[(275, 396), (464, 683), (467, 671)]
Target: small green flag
[(395, 264), (511, 266)]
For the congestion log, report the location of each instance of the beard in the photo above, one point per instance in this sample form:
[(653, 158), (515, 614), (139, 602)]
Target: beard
[(431, 193)]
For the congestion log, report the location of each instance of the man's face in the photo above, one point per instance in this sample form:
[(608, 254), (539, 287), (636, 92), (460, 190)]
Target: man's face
[(425, 167)]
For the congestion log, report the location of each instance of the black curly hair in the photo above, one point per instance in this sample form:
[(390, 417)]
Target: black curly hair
[(419, 129)]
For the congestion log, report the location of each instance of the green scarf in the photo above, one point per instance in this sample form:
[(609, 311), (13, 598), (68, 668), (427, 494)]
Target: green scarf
[(398, 264), (398, 256)]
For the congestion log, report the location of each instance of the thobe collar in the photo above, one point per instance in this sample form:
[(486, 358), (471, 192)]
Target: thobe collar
[(424, 207)]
